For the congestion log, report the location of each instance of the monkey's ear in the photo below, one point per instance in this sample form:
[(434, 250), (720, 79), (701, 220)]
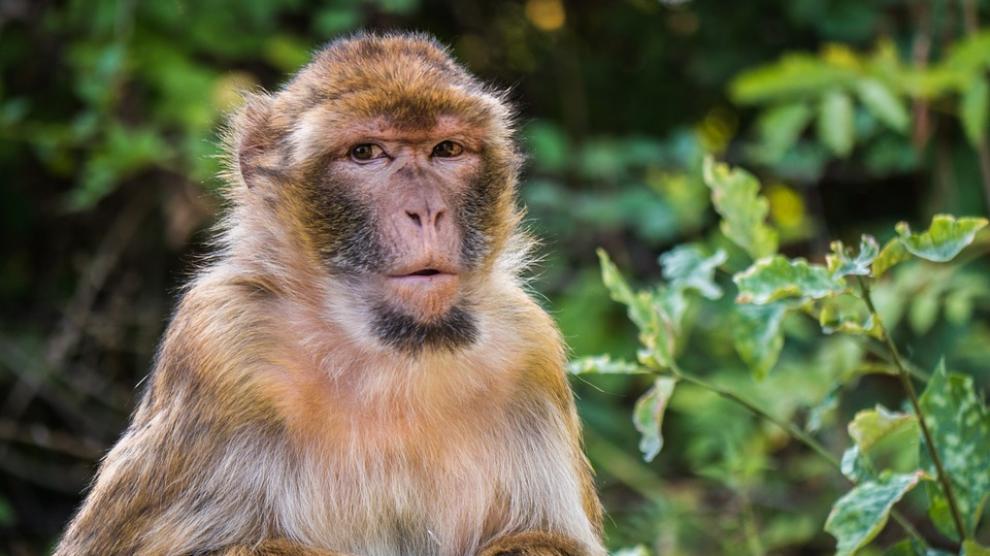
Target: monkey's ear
[(254, 144)]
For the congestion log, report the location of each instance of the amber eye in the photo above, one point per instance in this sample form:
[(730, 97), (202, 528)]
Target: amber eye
[(366, 151), (447, 149)]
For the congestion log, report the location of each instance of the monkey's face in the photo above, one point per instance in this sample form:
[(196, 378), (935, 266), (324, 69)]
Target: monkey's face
[(405, 226), (399, 170)]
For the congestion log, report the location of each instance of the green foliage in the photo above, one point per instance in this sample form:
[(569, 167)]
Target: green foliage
[(778, 277), (757, 335), (602, 364), (735, 195), (862, 512), (835, 123), (687, 268), (872, 425), (959, 422), (943, 240), (839, 294), (109, 106), (648, 416)]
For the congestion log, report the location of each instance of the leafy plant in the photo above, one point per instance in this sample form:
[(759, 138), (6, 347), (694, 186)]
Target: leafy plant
[(949, 420)]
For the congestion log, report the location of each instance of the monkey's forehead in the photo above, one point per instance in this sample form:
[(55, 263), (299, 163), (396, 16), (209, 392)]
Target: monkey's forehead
[(407, 81)]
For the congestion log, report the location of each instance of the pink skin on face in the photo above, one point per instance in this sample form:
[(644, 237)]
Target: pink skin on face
[(414, 182)]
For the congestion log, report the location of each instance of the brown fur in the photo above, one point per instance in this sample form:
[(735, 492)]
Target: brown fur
[(274, 424)]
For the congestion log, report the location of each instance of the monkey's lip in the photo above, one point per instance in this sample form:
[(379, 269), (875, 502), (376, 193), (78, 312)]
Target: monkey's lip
[(427, 275)]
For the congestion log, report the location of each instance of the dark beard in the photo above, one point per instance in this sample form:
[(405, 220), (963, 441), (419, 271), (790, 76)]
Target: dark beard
[(454, 330)]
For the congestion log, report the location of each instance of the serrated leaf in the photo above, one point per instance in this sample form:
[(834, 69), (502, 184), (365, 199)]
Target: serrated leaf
[(959, 423), (862, 513), (648, 416), (892, 254), (687, 268), (883, 103), (780, 127), (757, 335), (657, 314), (841, 263), (603, 364), (973, 110), (736, 197), (835, 123), (873, 425), (943, 240), (778, 277)]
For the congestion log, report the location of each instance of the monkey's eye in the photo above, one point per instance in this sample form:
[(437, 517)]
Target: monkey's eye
[(447, 149), (366, 152)]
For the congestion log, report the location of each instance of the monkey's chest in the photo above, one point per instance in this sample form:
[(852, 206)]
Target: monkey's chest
[(373, 495)]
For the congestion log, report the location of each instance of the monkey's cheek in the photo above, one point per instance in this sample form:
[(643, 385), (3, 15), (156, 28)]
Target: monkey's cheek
[(423, 297)]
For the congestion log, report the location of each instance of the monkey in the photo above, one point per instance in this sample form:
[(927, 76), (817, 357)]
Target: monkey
[(359, 367)]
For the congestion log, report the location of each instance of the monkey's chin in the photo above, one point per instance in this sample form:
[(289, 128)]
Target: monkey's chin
[(424, 297)]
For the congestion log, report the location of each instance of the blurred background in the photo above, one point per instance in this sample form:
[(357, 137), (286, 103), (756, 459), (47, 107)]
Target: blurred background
[(855, 114)]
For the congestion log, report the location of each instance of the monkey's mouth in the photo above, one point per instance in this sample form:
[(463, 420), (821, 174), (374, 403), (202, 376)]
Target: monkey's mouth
[(425, 292), (423, 277)]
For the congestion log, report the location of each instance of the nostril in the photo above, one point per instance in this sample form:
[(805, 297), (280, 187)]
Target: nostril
[(415, 217)]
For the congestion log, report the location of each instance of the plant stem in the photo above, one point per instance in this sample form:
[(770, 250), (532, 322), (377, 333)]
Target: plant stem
[(793, 431), (943, 477)]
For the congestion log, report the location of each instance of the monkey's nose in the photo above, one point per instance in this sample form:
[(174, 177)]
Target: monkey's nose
[(425, 217)]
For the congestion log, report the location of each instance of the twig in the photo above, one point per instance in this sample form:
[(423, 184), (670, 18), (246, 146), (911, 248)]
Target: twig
[(794, 432), (905, 376)]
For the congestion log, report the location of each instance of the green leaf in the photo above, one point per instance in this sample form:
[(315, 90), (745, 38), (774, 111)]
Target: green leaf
[(656, 314), (603, 364), (793, 76), (972, 548), (911, 547), (835, 122), (872, 425), (780, 127), (893, 253), (686, 267), (757, 335), (823, 411), (854, 466), (861, 513), (883, 103), (973, 110), (840, 263), (959, 423), (648, 416), (944, 239), (847, 314), (660, 338), (638, 304), (638, 550), (777, 277), (735, 195)]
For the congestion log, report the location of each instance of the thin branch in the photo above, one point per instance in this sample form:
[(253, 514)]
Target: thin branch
[(795, 433), (905, 376)]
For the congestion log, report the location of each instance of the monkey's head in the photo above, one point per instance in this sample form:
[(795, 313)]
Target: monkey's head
[(389, 172)]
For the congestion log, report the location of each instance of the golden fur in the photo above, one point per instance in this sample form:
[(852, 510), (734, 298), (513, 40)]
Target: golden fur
[(275, 424)]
